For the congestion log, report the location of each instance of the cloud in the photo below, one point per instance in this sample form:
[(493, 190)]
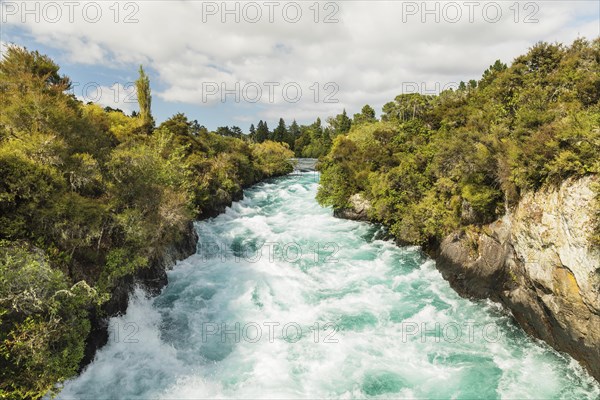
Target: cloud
[(374, 51), (116, 96)]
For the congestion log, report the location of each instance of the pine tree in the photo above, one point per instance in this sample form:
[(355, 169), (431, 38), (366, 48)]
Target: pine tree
[(293, 134), (236, 131), (294, 130), (262, 132), (341, 124), (280, 133), (345, 123)]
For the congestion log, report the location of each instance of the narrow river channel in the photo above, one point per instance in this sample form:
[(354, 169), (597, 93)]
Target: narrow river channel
[(282, 300)]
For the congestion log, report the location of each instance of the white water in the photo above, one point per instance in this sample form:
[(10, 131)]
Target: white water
[(376, 294)]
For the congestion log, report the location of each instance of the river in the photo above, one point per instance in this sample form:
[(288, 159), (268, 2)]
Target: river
[(284, 301)]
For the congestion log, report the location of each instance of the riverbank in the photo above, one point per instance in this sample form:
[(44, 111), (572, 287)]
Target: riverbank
[(537, 261), (151, 279)]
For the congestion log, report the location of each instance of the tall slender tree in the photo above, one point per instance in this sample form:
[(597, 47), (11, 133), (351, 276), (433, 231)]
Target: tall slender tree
[(293, 134), (144, 96), (294, 130)]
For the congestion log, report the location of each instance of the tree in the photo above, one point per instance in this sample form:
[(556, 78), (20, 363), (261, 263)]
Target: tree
[(273, 158), (144, 96), (44, 323), (177, 124), (224, 131), (280, 133), (367, 114), (185, 133), (197, 129), (236, 131), (18, 62), (406, 107), (294, 130), (490, 74), (86, 202), (262, 132), (341, 124), (252, 132), (438, 163)]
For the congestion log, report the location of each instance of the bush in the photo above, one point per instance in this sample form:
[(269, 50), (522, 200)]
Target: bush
[(44, 322), (272, 158)]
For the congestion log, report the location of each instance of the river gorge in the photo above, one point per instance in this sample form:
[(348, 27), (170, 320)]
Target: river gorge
[(282, 300)]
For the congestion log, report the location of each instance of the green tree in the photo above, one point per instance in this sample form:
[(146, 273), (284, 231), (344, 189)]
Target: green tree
[(280, 133), (144, 97), (437, 163), (262, 132), (341, 124), (224, 131), (366, 115), (86, 203), (43, 323), (294, 131)]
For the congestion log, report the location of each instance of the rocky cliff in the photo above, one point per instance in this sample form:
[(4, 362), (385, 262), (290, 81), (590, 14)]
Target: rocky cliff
[(358, 210), (539, 262)]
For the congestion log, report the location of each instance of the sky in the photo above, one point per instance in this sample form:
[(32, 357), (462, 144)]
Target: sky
[(236, 62)]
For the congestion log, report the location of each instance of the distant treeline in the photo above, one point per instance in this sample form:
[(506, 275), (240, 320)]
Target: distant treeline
[(309, 141)]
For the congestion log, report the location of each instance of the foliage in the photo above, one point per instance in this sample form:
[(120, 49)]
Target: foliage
[(314, 141), (310, 141), (89, 196), (44, 322), (435, 163), (144, 97), (271, 158)]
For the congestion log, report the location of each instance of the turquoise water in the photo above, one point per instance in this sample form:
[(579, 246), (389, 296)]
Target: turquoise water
[(324, 309)]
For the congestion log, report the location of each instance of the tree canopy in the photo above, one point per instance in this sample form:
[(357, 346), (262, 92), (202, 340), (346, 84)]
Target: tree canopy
[(437, 163)]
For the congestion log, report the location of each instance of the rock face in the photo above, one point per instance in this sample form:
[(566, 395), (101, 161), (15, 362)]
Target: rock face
[(358, 210), (539, 263), (152, 279)]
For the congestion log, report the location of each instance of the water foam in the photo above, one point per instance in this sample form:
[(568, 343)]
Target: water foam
[(374, 294)]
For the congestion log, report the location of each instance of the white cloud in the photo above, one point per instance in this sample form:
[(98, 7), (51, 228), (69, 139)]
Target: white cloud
[(116, 96), (374, 52)]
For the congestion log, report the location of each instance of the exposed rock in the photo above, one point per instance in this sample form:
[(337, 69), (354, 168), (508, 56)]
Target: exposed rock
[(468, 214), (537, 261), (358, 210)]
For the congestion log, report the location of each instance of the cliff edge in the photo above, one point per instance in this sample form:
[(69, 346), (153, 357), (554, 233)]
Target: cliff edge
[(539, 262)]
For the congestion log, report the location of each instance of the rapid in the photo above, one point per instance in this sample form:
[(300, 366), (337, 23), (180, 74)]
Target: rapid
[(282, 300)]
